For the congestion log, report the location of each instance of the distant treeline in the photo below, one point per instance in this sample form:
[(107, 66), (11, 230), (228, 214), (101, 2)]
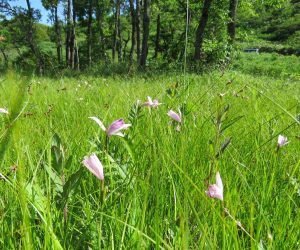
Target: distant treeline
[(134, 32)]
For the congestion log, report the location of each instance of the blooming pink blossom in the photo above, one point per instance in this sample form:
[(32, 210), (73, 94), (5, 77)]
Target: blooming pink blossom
[(175, 116), (282, 141), (94, 165), (216, 190), (114, 128), (3, 110), (151, 103)]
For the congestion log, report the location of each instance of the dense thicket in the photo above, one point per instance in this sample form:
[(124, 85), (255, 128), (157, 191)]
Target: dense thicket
[(137, 33)]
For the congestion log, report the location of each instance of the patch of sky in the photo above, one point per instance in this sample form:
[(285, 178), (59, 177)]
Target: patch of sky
[(39, 6)]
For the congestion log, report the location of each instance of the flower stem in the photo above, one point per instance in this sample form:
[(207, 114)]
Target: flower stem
[(106, 143), (102, 192)]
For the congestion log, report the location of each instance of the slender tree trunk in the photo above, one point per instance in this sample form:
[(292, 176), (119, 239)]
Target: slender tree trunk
[(157, 36), (116, 31), (200, 29), (146, 30), (68, 34), (4, 56), (119, 37), (138, 30), (58, 36), (72, 38), (90, 19), (117, 34), (74, 48), (99, 16), (113, 49), (232, 20), (31, 37), (76, 57), (133, 25)]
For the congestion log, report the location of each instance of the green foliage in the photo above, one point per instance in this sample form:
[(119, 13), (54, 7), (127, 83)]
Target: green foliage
[(42, 33), (293, 40), (278, 23), (26, 61)]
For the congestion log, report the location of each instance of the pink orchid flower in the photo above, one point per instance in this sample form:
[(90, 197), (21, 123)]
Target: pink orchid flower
[(282, 141), (175, 116), (151, 103), (94, 165), (216, 190), (114, 128), (4, 111)]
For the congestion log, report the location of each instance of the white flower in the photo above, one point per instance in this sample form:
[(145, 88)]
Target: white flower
[(282, 141)]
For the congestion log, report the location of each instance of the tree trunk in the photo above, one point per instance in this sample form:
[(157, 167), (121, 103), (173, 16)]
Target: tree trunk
[(31, 37), (4, 56), (157, 36), (90, 19), (68, 34), (99, 16), (146, 29), (138, 30), (74, 47), (72, 38), (119, 41), (133, 24), (200, 29), (58, 36), (76, 57), (232, 19), (116, 32)]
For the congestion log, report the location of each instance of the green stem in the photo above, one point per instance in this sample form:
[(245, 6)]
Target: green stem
[(102, 192), (106, 143)]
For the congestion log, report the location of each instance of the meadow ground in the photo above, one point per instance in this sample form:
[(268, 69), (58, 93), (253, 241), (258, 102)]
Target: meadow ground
[(156, 176)]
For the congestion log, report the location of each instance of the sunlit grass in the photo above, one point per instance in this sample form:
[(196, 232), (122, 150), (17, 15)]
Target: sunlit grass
[(155, 177), (272, 65)]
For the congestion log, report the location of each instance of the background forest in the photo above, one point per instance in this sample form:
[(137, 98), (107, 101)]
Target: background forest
[(128, 35)]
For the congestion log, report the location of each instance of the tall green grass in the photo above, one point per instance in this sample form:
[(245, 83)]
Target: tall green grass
[(272, 65), (155, 177)]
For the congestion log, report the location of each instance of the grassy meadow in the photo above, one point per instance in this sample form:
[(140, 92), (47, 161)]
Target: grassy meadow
[(156, 176)]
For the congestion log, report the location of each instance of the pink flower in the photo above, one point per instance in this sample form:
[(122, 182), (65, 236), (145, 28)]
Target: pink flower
[(175, 116), (151, 103), (4, 111), (282, 141), (114, 128), (94, 165), (155, 103), (216, 190)]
